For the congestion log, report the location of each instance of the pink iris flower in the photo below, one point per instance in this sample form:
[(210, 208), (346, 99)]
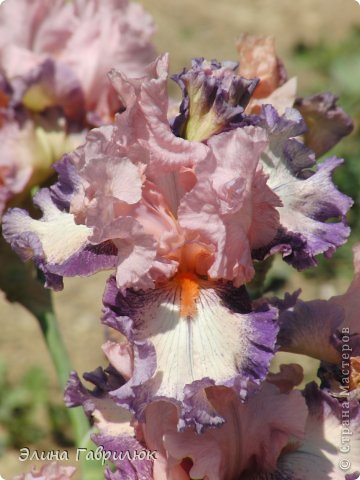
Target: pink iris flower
[(53, 81), (178, 211)]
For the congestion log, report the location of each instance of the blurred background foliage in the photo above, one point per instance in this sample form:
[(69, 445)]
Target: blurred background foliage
[(28, 414), (336, 68)]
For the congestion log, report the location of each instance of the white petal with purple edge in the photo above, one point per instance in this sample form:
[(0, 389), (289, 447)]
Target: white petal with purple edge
[(198, 330), (57, 233), (310, 200)]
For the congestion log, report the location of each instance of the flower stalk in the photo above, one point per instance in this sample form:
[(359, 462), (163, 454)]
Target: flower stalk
[(55, 344), (50, 329)]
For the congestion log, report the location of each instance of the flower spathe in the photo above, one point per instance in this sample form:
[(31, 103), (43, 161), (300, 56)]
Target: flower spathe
[(257, 58)]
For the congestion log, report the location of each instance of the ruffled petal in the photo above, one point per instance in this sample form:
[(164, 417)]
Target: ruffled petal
[(145, 120), (181, 326), (119, 218), (124, 27), (214, 99), (56, 243), (117, 431), (136, 252), (126, 468), (120, 356), (161, 417), (265, 218), (331, 447), (230, 206), (123, 207), (56, 233), (320, 453), (253, 434), (46, 25), (143, 219), (110, 419), (309, 199)]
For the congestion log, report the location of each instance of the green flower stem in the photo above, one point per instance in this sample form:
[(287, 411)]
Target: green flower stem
[(90, 470), (23, 283), (55, 344)]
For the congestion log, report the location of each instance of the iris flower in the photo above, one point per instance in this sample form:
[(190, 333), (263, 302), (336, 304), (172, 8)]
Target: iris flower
[(45, 55), (53, 83), (328, 330), (178, 221), (177, 211), (149, 203), (326, 123), (277, 433)]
